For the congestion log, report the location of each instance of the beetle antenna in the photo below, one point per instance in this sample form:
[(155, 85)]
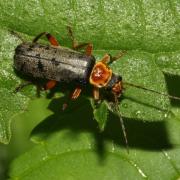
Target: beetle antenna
[(122, 123), (151, 90)]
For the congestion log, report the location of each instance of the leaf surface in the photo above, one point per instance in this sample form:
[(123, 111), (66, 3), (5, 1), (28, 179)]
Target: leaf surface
[(68, 143)]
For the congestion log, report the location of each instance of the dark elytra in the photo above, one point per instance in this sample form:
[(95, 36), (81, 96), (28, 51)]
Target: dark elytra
[(53, 63)]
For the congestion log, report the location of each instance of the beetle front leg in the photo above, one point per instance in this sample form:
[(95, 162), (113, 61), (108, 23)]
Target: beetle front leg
[(118, 56), (50, 38), (96, 93), (106, 59)]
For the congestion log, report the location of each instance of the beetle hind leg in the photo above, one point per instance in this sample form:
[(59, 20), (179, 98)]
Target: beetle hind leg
[(76, 93), (22, 86), (39, 88)]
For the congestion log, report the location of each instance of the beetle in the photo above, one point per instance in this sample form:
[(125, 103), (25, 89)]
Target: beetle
[(59, 64)]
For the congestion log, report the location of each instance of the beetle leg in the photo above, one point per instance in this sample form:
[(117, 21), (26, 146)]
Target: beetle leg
[(118, 56), (106, 59), (50, 38), (89, 49), (96, 93), (39, 88), (22, 85), (27, 83), (74, 42), (76, 93), (76, 45), (50, 84)]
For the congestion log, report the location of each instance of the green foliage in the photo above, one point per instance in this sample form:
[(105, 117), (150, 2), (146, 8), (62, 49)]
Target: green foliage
[(68, 144), (73, 148), (100, 112), (11, 103), (169, 62)]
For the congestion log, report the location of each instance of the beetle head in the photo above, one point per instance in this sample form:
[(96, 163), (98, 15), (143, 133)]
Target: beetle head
[(115, 85)]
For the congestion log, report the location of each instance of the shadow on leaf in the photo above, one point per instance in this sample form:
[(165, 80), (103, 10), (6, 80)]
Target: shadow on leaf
[(78, 118), (173, 81)]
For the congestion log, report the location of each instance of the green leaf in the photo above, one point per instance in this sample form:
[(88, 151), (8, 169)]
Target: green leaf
[(100, 112), (169, 62), (138, 103), (139, 68), (151, 26), (11, 103), (73, 148), (126, 29), (68, 143)]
